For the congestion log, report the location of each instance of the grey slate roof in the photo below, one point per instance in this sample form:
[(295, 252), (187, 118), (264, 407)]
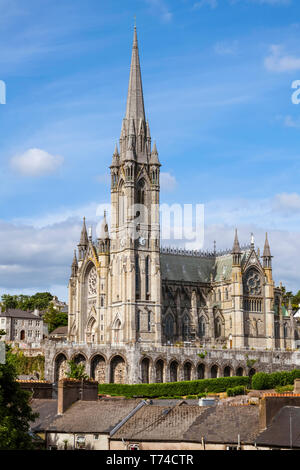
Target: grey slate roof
[(93, 416), (47, 410), (160, 423), (16, 313), (223, 424), (189, 423), (61, 330), (278, 433), (176, 267)]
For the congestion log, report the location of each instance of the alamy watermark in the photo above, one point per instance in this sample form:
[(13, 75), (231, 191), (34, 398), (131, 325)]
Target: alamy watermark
[(296, 94), (2, 92), (183, 223)]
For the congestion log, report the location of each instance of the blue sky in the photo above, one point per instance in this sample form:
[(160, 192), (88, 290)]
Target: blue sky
[(217, 77)]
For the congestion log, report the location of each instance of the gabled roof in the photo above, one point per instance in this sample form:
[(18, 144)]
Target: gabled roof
[(17, 313), (284, 430), (189, 423), (226, 424), (159, 423), (93, 416)]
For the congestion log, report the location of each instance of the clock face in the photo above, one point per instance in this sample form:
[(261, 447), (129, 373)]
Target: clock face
[(142, 241), (92, 282)]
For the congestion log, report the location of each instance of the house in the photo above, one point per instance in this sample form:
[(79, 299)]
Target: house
[(22, 327), (189, 427)]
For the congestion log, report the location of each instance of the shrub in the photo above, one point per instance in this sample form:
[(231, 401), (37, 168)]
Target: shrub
[(234, 391), (264, 381), (172, 389), (284, 388)]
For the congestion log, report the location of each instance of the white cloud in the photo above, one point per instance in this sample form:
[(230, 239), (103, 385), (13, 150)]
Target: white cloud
[(36, 162), (167, 182), (277, 61), (286, 204)]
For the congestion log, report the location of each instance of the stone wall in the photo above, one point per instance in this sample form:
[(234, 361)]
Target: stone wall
[(37, 388), (201, 364)]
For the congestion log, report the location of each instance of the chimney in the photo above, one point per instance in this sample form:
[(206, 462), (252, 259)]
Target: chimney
[(271, 404), (72, 390)]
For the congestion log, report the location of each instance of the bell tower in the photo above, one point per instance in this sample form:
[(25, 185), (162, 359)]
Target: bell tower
[(135, 230)]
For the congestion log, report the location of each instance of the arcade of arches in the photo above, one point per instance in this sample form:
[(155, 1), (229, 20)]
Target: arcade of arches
[(115, 369)]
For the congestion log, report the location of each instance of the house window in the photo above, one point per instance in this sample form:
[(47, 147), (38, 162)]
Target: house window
[(37, 334), (30, 322), (96, 437), (29, 333)]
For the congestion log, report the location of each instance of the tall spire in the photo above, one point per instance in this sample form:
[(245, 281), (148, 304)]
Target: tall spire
[(236, 251), (267, 251), (135, 100), (83, 237), (267, 257), (236, 245)]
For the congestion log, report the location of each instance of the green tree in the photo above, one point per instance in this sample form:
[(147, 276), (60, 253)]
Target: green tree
[(9, 301), (15, 411), (40, 300), (76, 371), (54, 318)]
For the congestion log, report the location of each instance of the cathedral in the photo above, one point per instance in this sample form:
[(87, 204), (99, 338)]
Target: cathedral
[(142, 313)]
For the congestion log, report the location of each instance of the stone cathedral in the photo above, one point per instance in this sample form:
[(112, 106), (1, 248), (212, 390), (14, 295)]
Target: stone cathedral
[(142, 313)]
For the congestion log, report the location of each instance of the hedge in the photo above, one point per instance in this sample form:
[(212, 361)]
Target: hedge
[(234, 391), (264, 381), (171, 389)]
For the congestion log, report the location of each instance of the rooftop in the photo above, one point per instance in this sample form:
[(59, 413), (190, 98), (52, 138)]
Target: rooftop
[(93, 416)]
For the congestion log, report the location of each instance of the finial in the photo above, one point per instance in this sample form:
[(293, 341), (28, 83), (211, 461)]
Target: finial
[(134, 21)]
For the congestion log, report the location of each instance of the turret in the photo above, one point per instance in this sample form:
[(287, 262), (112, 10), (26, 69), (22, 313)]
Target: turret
[(267, 257), (236, 251), (82, 246), (74, 267), (103, 240)]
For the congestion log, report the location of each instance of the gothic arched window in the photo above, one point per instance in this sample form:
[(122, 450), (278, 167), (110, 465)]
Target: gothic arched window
[(186, 328), (149, 321), (137, 277), (138, 321), (169, 328), (147, 278), (121, 205), (140, 199), (202, 327), (218, 328)]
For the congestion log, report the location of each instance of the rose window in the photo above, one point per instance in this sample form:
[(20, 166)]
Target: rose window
[(92, 282), (253, 283)]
